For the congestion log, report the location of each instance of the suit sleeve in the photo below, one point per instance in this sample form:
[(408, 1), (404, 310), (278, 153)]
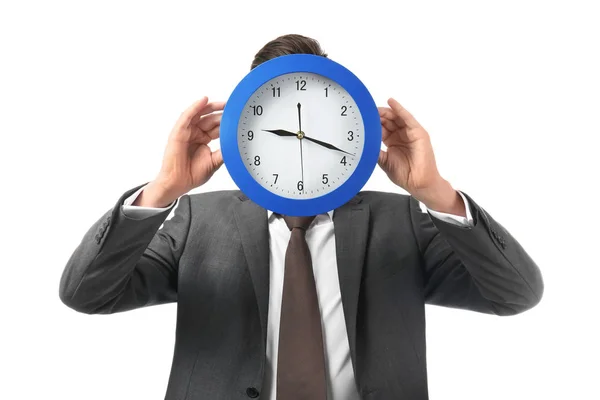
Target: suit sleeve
[(123, 263), (480, 267)]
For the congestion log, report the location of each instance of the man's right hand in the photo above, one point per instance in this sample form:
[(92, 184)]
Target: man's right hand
[(188, 161)]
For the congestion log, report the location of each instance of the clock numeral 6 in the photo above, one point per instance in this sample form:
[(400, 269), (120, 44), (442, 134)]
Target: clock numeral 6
[(301, 85), (350, 136), (300, 185), (257, 160), (250, 135), (343, 161), (344, 109), (257, 110), (325, 179)]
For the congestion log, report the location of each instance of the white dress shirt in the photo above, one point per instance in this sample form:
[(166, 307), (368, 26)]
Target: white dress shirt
[(321, 243)]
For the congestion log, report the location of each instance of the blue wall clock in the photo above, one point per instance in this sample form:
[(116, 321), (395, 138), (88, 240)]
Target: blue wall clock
[(300, 135)]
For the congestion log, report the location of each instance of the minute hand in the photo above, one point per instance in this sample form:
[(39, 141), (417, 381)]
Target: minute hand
[(327, 145)]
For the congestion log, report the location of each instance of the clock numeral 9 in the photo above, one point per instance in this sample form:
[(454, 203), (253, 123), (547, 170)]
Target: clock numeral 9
[(257, 160), (276, 92), (301, 85), (344, 109), (325, 179), (257, 110), (350, 136), (300, 185), (343, 161), (250, 135)]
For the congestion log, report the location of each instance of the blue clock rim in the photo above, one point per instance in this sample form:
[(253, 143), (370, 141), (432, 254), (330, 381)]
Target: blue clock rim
[(300, 63)]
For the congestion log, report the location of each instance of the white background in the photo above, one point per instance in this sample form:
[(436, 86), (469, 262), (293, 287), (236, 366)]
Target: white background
[(509, 93)]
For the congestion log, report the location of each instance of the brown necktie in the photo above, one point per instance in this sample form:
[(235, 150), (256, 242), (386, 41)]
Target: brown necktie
[(301, 358)]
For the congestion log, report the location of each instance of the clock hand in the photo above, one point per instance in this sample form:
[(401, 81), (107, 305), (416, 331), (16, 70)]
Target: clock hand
[(327, 145), (281, 132), (300, 137)]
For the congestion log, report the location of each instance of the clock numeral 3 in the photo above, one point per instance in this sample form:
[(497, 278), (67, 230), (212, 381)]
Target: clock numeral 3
[(257, 160), (325, 179), (350, 136), (344, 109), (343, 161), (300, 185), (301, 85), (250, 135), (257, 110)]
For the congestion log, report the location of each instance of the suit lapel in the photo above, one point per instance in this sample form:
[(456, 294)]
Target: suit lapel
[(351, 224), (251, 220)]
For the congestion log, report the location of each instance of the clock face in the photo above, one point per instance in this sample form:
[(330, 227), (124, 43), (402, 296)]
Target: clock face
[(300, 135)]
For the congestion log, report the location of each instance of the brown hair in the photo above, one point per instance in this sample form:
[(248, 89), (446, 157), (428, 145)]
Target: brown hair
[(287, 44)]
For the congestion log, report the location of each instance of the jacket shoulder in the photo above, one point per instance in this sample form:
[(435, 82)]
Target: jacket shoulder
[(384, 200), (219, 199)]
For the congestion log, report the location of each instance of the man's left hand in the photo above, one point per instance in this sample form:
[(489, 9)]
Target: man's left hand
[(410, 163)]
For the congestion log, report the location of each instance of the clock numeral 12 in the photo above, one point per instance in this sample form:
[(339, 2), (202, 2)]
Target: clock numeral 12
[(301, 85), (258, 110)]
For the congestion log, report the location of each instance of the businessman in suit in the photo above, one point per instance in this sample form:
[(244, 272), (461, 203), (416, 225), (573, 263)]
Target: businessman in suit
[(372, 265)]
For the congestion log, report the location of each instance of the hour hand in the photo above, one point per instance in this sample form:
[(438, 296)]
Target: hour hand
[(281, 132)]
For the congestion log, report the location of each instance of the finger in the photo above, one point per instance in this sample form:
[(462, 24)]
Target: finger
[(217, 159), (207, 109), (385, 134), (389, 114), (186, 116), (214, 133), (386, 112), (388, 124), (208, 122), (404, 115), (382, 160), (204, 137)]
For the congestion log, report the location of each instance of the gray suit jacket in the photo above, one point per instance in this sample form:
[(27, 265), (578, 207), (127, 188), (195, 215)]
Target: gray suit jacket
[(212, 258)]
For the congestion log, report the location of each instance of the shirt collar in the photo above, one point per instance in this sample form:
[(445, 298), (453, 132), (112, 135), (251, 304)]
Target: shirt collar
[(329, 213)]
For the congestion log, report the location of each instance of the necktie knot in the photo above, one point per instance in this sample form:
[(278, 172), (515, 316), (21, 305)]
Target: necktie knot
[(298, 222)]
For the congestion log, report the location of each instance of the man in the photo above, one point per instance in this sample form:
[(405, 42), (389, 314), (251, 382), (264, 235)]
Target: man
[(228, 264)]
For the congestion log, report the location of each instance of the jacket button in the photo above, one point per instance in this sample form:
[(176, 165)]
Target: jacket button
[(252, 392)]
